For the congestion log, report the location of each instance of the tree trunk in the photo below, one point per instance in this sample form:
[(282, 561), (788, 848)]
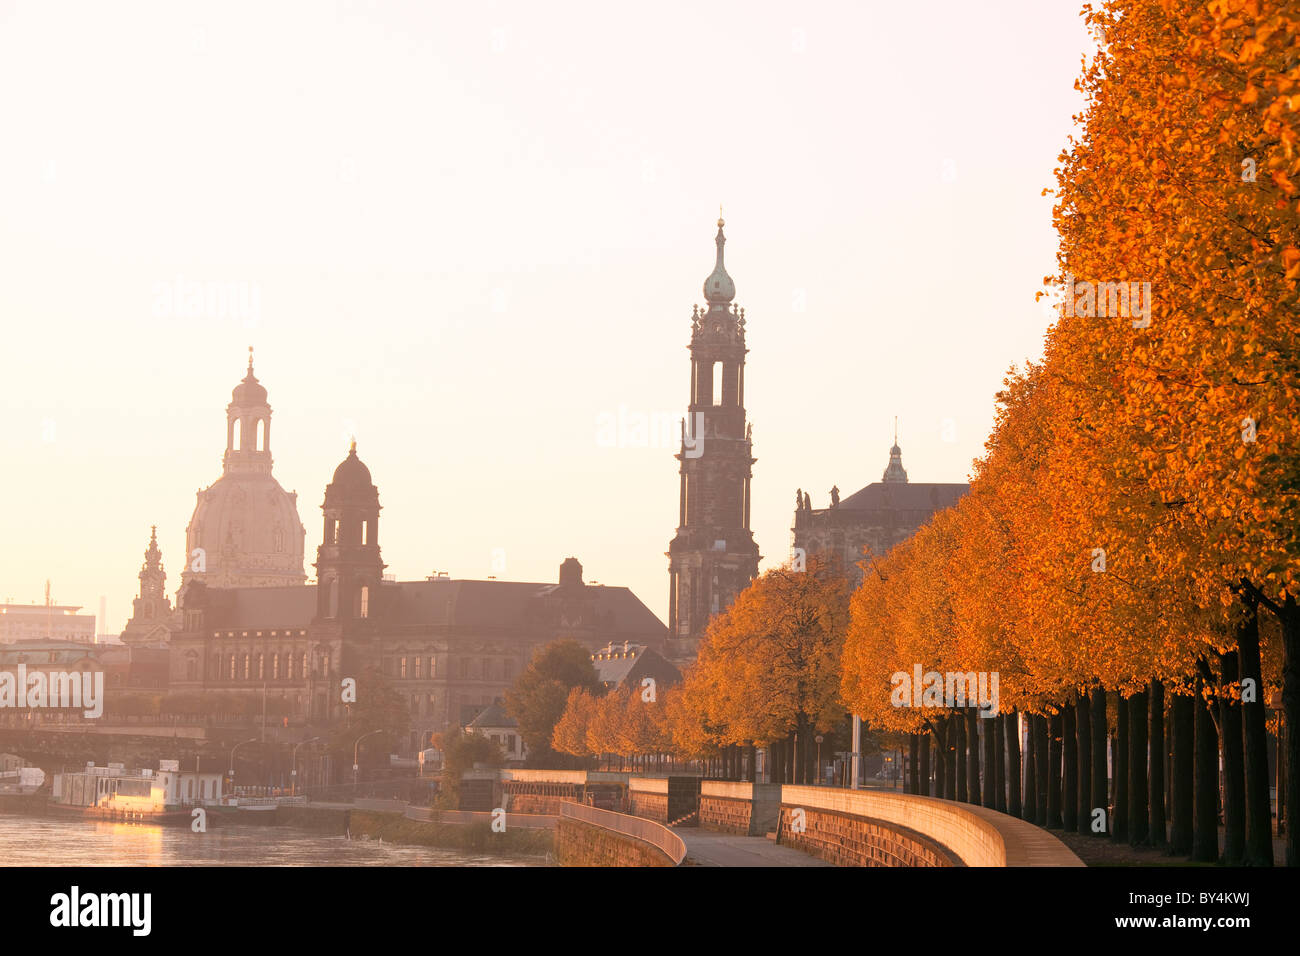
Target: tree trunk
[(940, 762), (1205, 836), (1030, 811), (1119, 761), (988, 725), (999, 763), (1100, 776), (950, 757), (1011, 731), (1234, 781), (1083, 795), (924, 789), (1290, 615), (1054, 742), (1138, 812), (1259, 816), (1156, 736), (1041, 769), (972, 755), (959, 739), (1069, 770), (1182, 724)]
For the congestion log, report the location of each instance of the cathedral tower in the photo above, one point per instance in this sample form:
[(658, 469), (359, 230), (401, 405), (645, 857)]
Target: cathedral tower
[(151, 611), (713, 557), (349, 570)]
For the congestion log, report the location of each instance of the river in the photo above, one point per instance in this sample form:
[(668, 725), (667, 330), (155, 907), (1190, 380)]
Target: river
[(55, 841)]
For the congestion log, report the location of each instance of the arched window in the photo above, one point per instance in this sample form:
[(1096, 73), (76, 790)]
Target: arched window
[(261, 669), (248, 661), (236, 434), (232, 666), (288, 666), (365, 601), (275, 667), (305, 665), (260, 440), (365, 532)]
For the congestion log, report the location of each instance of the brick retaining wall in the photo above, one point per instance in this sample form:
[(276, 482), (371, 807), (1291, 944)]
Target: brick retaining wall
[(848, 840), (580, 844)]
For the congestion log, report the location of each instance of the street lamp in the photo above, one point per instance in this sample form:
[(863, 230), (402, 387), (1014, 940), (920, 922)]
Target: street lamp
[(355, 754), (252, 740), (819, 738), (294, 772)]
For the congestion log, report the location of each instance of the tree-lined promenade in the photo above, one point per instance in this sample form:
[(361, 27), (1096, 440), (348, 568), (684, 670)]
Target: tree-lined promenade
[(1127, 562)]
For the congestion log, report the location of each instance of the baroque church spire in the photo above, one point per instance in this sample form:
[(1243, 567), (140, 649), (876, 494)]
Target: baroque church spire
[(713, 555), (894, 472)]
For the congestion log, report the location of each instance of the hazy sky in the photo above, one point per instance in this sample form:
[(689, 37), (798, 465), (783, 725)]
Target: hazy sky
[(466, 231)]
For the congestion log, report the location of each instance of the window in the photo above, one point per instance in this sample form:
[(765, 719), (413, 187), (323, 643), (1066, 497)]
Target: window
[(508, 669), (365, 601), (365, 532), (402, 673), (260, 441), (248, 661), (305, 659), (717, 383), (419, 667), (275, 667), (288, 666), (433, 667), (261, 667), (232, 666)]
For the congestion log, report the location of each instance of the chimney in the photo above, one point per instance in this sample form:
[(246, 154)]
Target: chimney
[(570, 573)]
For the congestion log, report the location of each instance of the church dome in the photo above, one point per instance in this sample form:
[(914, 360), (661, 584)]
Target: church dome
[(245, 531), (250, 533), (351, 479), (719, 288), (249, 392)]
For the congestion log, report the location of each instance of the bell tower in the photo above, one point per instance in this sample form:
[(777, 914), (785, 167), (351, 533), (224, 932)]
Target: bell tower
[(713, 556), (349, 570)]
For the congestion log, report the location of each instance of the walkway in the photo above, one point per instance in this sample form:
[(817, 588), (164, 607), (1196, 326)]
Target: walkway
[(704, 848)]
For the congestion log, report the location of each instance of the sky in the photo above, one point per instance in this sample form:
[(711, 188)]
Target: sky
[(471, 235)]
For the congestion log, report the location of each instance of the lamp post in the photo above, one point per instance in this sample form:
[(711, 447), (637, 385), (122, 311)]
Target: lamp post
[(294, 772), (251, 740), (355, 754), (819, 738)]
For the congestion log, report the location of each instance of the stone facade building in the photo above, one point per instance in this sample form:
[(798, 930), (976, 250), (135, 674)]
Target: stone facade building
[(713, 556), (870, 521)]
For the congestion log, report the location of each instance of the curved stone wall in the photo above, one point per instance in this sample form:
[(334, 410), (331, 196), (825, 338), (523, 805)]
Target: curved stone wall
[(928, 830)]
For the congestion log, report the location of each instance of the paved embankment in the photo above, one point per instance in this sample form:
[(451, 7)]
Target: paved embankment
[(704, 848)]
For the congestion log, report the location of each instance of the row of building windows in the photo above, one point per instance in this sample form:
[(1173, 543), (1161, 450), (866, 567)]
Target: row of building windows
[(463, 668), (265, 666)]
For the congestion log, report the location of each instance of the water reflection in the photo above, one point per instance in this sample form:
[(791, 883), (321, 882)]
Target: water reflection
[(52, 841)]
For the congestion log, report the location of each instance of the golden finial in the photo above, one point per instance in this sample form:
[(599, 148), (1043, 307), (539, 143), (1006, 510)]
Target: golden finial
[(353, 448), (720, 221), (250, 358)]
